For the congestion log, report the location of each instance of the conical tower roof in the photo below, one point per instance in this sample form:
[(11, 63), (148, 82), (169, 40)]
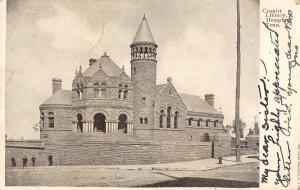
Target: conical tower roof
[(144, 33)]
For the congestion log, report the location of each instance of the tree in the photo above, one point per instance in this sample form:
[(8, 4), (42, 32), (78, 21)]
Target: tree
[(242, 128), (256, 128), (227, 128), (36, 127), (251, 132)]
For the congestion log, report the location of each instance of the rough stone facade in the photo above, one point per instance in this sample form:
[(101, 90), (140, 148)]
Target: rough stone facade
[(110, 118)]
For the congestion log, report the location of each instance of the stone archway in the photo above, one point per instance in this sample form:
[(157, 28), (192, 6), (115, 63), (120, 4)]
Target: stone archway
[(99, 122), (122, 125)]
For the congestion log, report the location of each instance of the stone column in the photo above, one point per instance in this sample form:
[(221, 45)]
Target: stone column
[(129, 128), (115, 126), (106, 127), (83, 127), (172, 121)]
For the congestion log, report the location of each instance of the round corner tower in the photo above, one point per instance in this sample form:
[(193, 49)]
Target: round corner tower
[(143, 74)]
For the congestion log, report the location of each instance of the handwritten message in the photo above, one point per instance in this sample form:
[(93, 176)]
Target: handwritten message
[(276, 88)]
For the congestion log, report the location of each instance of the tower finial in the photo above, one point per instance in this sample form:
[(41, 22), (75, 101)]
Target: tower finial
[(105, 55), (76, 72), (144, 17), (123, 68), (80, 68), (100, 65)]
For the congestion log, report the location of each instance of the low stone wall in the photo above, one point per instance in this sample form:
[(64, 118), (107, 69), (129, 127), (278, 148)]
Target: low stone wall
[(95, 152), (18, 149)]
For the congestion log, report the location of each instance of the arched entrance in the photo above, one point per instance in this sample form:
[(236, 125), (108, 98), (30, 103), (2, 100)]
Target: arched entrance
[(79, 123), (99, 122), (122, 125)]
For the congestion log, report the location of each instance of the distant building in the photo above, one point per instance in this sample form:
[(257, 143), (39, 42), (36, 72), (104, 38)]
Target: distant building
[(106, 105)]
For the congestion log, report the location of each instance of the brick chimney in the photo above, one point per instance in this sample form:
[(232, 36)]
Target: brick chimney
[(210, 99), (92, 61), (56, 85)]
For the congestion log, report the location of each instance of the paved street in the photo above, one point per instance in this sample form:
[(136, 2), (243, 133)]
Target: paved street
[(184, 174)]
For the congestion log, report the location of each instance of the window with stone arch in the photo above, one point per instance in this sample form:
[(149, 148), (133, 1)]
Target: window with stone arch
[(199, 122), (169, 117), (161, 119), (190, 121), (42, 120), (103, 90), (215, 123), (125, 94), (96, 90), (120, 91), (51, 119), (78, 91), (176, 116), (207, 123), (81, 91)]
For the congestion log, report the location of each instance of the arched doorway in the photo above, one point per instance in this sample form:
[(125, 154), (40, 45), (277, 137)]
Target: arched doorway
[(79, 123), (122, 125), (99, 122)]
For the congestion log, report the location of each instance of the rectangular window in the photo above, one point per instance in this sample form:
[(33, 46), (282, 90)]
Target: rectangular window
[(146, 120), (51, 122), (206, 137), (141, 120), (190, 122)]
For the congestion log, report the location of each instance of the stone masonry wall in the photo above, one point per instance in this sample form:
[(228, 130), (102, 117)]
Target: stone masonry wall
[(109, 152)]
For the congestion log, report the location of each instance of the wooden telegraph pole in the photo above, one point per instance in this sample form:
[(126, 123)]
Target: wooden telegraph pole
[(237, 95)]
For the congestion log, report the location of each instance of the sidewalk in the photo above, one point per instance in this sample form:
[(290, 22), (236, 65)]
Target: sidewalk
[(196, 165)]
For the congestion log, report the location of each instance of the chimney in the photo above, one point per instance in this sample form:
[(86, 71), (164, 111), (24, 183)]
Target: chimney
[(210, 99), (92, 61), (56, 85)]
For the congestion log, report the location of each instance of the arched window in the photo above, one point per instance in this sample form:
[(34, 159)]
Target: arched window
[(215, 123), (190, 121), (161, 119), (199, 122), (81, 91), (103, 90), (51, 119), (207, 123), (96, 90), (120, 91), (176, 119), (125, 95), (42, 120), (169, 117)]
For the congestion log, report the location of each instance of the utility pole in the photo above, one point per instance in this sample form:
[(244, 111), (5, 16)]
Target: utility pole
[(238, 75)]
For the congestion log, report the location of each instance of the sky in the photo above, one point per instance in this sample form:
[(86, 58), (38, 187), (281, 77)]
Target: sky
[(196, 47)]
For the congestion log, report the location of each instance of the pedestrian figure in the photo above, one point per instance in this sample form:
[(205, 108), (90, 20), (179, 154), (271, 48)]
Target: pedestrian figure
[(13, 162), (33, 161), (25, 161)]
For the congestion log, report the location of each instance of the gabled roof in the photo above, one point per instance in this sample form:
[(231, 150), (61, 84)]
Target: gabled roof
[(144, 33), (158, 88), (109, 67), (197, 104), (60, 97)]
